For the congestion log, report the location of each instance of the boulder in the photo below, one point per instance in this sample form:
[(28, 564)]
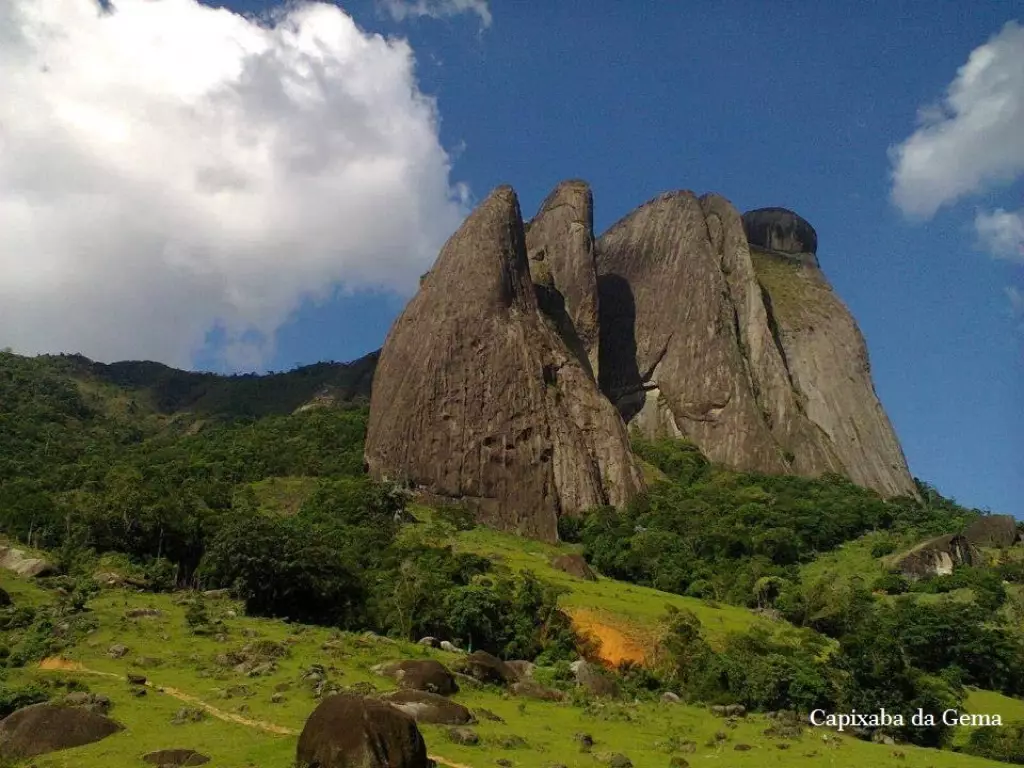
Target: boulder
[(477, 396), (993, 531), (172, 758), (576, 566), (523, 670), (486, 668), (937, 557), (560, 248), (345, 731), (780, 229), (529, 689), (17, 561), (449, 646), (596, 681), (426, 707), (420, 675), (40, 729), (464, 736)]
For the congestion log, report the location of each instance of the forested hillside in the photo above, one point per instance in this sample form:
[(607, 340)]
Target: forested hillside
[(173, 481)]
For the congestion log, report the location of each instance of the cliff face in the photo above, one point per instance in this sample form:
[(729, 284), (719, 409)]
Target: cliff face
[(509, 380), (477, 396), (827, 360), (761, 373), (560, 246)]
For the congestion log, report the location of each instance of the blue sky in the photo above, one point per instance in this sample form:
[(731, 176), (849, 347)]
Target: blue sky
[(795, 104)]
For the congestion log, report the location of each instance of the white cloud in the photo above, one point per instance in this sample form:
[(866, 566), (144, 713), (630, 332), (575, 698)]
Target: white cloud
[(401, 10), (975, 138), (168, 168), (1001, 233)]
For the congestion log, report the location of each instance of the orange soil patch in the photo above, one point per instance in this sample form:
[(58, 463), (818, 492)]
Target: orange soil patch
[(616, 643), (56, 663)]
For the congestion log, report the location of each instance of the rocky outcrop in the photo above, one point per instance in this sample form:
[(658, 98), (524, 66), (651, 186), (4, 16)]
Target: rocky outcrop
[(40, 729), (560, 247), (477, 396), (937, 557), (700, 340), (693, 321), (998, 531)]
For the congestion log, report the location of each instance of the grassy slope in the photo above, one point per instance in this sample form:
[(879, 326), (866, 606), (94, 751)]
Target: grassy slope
[(643, 731), (631, 609)]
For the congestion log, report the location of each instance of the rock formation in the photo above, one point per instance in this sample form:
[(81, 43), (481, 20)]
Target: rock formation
[(999, 531), (40, 729), (781, 230), (510, 379), (478, 397), (346, 730), (937, 557), (827, 360), (560, 246)]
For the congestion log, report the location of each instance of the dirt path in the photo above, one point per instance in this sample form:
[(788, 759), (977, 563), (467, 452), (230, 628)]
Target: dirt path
[(616, 645), (55, 663)]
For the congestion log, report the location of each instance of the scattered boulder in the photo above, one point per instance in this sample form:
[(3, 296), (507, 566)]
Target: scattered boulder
[(523, 670), (937, 557), (426, 707), (450, 647), (420, 675), (595, 680), (486, 714), (993, 531), (486, 668), (136, 679), (173, 758), (532, 690), (345, 731), (576, 566), (465, 736), (43, 728), (117, 651), (17, 561), (670, 698), (187, 715), (430, 642)]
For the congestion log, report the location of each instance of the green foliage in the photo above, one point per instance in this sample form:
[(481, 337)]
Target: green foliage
[(1004, 743), (891, 583), (14, 697)]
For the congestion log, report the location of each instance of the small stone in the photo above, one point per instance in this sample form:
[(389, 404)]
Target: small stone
[(465, 736)]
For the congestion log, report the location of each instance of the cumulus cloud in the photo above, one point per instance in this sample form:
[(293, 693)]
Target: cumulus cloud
[(401, 10), (167, 168), (974, 138), (1001, 233)]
